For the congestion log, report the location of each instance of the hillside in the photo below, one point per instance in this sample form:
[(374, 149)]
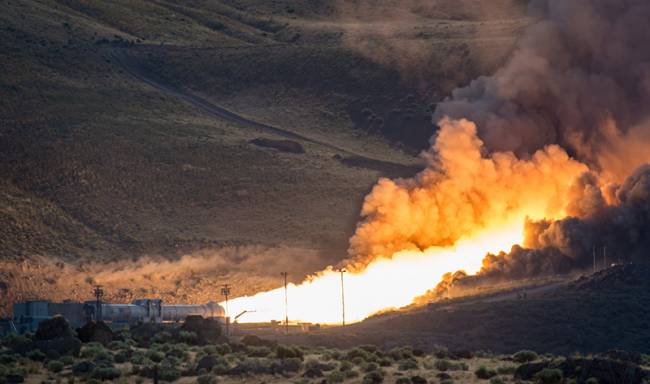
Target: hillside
[(109, 153), (592, 314)]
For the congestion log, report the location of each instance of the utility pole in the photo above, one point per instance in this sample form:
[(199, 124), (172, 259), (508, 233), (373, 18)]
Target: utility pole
[(286, 304), (342, 271), (605, 256), (594, 252), (225, 291), (99, 293)]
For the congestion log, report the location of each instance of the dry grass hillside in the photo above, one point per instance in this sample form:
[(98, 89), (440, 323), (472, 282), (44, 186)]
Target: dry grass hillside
[(111, 149)]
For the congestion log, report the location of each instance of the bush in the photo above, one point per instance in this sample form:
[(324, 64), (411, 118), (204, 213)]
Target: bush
[(155, 356), (252, 366), (55, 366), (591, 380), (525, 356), (67, 360), (35, 355), (105, 373), (374, 377), (285, 352), (358, 354), (401, 353), (258, 351), (485, 373), (506, 370), (291, 365), (139, 358), (122, 356), (167, 373), (96, 351), (497, 380), (444, 365), (206, 379), (335, 377), (162, 337), (549, 376), (403, 380), (407, 364)]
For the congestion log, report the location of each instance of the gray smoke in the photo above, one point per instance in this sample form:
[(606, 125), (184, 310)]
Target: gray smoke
[(580, 78), (619, 232)]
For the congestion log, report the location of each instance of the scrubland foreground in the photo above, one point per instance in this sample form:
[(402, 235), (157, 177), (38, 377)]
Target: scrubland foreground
[(197, 352)]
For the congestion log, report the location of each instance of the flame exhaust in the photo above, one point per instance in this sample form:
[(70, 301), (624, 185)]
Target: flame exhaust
[(534, 166)]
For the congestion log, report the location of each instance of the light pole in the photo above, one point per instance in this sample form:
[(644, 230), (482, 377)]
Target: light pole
[(225, 291), (286, 304), (342, 271)]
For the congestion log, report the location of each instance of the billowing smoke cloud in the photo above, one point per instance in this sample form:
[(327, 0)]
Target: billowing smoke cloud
[(579, 78), (463, 191), (620, 232), (549, 136)]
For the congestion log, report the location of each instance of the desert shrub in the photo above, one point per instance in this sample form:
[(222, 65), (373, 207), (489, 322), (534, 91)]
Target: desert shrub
[(359, 354), (403, 380), (95, 351), (55, 366), (168, 373), (524, 356), (374, 377), (223, 349), (385, 362), (485, 373), (351, 374), (154, 355), (16, 342), (407, 364), (122, 356), (446, 365), (139, 358), (179, 351), (118, 344), (591, 380), (8, 359), (447, 381), (206, 379), (346, 366), (35, 355), (287, 352), (549, 376), (401, 353), (67, 360), (252, 366), (162, 337), (497, 380), (188, 337), (290, 365), (369, 367), (83, 367), (335, 377), (319, 365), (105, 373), (506, 370), (258, 351)]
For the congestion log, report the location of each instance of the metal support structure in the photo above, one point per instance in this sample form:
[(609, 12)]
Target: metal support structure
[(342, 271), (286, 304), (225, 291), (99, 294)]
